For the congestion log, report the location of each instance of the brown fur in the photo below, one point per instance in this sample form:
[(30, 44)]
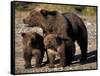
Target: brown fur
[(65, 26), (33, 46), (53, 45)]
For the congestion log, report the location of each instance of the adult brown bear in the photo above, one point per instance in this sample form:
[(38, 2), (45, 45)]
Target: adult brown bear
[(33, 46), (65, 25)]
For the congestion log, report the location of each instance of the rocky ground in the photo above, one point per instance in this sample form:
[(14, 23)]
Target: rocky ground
[(76, 65)]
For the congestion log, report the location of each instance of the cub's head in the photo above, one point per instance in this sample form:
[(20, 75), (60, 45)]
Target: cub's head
[(52, 41), (31, 39)]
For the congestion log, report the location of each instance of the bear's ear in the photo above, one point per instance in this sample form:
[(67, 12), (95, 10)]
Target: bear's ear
[(53, 13), (23, 34), (44, 12)]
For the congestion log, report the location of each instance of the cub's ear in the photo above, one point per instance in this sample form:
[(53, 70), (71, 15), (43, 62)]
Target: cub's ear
[(44, 12), (23, 34)]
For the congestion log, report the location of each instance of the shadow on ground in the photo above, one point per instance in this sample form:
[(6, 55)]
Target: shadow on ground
[(91, 57)]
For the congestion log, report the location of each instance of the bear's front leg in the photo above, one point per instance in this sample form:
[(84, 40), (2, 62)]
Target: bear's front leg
[(61, 52), (27, 57), (52, 55)]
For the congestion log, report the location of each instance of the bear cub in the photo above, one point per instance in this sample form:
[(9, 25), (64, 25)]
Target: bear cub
[(52, 43), (33, 46)]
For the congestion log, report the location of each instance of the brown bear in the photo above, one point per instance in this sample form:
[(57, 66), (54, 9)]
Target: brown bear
[(65, 25), (33, 46), (52, 42)]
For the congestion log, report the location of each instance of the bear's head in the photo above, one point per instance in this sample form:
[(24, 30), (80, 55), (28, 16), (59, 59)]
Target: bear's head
[(52, 41), (39, 17), (31, 39)]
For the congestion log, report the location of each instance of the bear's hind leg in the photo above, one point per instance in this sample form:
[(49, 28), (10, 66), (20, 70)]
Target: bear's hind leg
[(83, 47), (38, 57)]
